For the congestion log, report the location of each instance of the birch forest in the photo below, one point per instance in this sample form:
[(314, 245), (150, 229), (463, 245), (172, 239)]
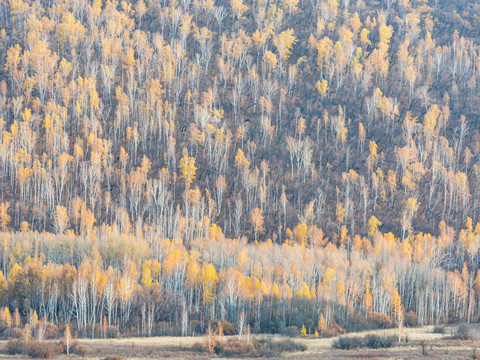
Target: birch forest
[(264, 166)]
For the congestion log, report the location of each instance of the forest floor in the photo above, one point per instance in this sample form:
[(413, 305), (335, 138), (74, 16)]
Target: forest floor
[(436, 346)]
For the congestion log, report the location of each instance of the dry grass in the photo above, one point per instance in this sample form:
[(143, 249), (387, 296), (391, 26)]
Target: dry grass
[(322, 345), (148, 341), (438, 346)]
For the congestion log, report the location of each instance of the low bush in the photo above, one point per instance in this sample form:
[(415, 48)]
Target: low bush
[(198, 347), (411, 319), (333, 330), (377, 341), (438, 329), (253, 349), (462, 333), (227, 327), (347, 343), (15, 347), (382, 321), (233, 348), (114, 357), (369, 341), (79, 349), (288, 345), (41, 350), (51, 330)]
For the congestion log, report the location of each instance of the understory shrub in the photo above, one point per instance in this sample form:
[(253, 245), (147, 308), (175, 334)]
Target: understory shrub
[(251, 349)]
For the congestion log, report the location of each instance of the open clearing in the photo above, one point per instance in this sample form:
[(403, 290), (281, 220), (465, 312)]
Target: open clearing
[(437, 346)]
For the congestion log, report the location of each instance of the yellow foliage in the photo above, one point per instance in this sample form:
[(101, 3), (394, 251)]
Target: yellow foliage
[(284, 43), (146, 276), (322, 87), (322, 324), (4, 217), (372, 225), (301, 233), (188, 168), (373, 149), (274, 291), (328, 277), (303, 291), (303, 331), (216, 231), (238, 8), (242, 258), (208, 279), (241, 160)]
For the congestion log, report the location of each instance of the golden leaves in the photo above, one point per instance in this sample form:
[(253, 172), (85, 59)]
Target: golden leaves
[(188, 168), (284, 43), (322, 87), (241, 160)]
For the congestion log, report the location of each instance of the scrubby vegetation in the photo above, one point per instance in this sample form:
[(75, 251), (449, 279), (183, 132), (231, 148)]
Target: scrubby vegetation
[(369, 341), (35, 349), (250, 348)]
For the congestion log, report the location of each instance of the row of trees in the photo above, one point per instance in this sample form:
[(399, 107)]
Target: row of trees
[(118, 284)]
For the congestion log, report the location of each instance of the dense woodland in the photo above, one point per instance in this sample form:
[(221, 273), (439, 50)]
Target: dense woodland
[(271, 164)]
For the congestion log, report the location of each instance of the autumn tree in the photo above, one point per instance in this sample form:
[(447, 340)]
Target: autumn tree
[(257, 220)]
